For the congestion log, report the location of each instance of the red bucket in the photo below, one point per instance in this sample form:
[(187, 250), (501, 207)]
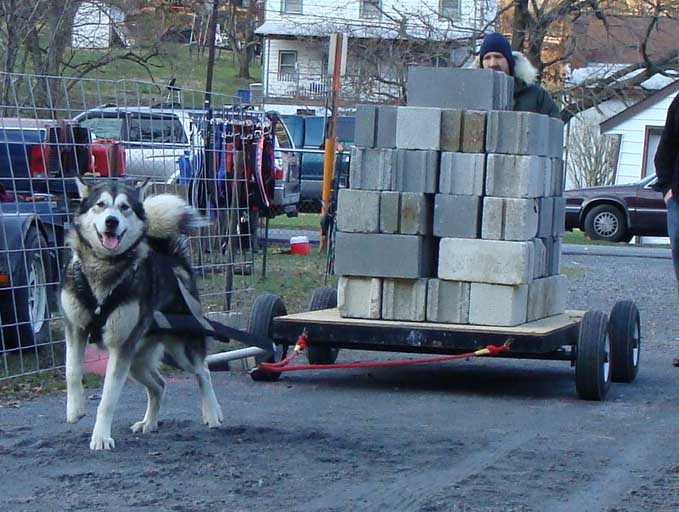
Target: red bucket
[(299, 245)]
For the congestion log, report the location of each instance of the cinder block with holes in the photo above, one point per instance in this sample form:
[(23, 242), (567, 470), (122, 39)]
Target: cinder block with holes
[(372, 169), (518, 133), (515, 176), (404, 299), (448, 301), (359, 297), (462, 174), (509, 219), (416, 171)]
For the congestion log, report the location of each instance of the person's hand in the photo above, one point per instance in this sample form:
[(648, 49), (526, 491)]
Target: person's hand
[(668, 196)]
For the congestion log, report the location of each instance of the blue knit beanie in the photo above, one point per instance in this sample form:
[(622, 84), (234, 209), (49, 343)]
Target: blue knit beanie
[(496, 42)]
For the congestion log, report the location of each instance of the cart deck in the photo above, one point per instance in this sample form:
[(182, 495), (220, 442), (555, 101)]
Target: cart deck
[(548, 338)]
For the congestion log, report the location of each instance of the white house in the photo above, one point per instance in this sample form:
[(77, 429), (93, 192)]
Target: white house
[(296, 39), (98, 25)]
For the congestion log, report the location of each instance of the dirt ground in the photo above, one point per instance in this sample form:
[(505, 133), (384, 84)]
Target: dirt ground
[(476, 435)]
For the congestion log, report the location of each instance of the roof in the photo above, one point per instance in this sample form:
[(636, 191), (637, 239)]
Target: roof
[(359, 30), (640, 106)]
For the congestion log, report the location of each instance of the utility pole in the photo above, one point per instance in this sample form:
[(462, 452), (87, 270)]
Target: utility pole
[(330, 140)]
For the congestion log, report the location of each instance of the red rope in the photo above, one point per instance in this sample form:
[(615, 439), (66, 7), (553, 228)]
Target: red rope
[(281, 366)]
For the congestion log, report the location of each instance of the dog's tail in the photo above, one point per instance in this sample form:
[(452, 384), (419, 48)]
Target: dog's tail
[(169, 217)]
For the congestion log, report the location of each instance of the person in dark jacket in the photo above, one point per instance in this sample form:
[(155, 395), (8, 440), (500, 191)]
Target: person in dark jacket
[(667, 170), (496, 53)]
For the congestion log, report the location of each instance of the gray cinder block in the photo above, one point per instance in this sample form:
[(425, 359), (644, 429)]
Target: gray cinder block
[(386, 127), (546, 297), (365, 129), (462, 174), (546, 208), (485, 261), (559, 216), (457, 216), (372, 169), (358, 211), (539, 258), (509, 219), (494, 304), (404, 299), (418, 128), (416, 171), (390, 210), (558, 176), (473, 131), (381, 255), (518, 133), (448, 301), (359, 297), (416, 214), (451, 130), (459, 88), (515, 176)]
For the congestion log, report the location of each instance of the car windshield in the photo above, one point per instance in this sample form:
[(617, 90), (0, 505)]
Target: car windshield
[(104, 127)]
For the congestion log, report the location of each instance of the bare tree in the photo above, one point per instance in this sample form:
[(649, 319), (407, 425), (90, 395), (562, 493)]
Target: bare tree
[(241, 23), (592, 157)]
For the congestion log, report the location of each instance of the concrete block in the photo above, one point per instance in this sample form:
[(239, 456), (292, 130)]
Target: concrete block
[(451, 130), (509, 219), (459, 88), (390, 210), (485, 261), (418, 128), (546, 209), (372, 169), (546, 297), (359, 297), (558, 175), (549, 180), (416, 171), (448, 301), (365, 130), (494, 304), (539, 258), (515, 176), (457, 216), (404, 299), (556, 137), (416, 214), (555, 257), (386, 127), (518, 133), (381, 255), (358, 211), (559, 216), (473, 131), (462, 174)]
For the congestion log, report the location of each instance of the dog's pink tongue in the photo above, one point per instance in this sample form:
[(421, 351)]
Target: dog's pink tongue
[(110, 241)]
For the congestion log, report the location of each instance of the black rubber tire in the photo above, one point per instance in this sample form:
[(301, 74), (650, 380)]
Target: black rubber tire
[(322, 298), (592, 366), (624, 331), (265, 308), (30, 296), (606, 222)]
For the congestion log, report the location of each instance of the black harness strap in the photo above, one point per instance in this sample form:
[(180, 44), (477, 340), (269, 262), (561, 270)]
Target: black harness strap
[(100, 312)]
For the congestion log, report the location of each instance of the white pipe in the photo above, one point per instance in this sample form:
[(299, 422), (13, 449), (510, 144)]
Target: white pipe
[(240, 353)]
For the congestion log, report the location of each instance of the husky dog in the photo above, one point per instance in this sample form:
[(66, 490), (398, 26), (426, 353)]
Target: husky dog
[(130, 259)]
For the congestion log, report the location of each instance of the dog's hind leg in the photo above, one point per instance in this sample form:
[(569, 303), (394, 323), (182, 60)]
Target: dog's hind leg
[(75, 355), (117, 370), (192, 360), (145, 371)]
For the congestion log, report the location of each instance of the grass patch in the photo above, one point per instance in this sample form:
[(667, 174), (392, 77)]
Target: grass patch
[(303, 221)]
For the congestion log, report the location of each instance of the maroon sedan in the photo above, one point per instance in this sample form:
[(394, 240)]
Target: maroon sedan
[(616, 213)]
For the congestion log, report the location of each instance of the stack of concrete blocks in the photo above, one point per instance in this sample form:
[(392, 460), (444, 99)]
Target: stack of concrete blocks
[(455, 212)]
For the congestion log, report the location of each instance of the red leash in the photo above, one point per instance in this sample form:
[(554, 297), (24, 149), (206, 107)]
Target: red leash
[(300, 345)]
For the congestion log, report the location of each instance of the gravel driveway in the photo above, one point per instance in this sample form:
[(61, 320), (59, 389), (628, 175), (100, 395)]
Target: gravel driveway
[(477, 435)]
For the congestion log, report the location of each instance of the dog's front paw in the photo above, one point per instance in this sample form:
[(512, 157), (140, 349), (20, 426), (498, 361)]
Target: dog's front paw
[(144, 426), (102, 443), (213, 418), (74, 416)]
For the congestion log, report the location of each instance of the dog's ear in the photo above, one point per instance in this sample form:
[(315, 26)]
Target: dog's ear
[(83, 188), (142, 187)]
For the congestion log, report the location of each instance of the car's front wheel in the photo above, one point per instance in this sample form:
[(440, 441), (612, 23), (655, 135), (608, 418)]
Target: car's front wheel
[(606, 222)]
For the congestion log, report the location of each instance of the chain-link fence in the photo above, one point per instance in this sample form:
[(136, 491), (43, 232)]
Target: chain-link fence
[(223, 160)]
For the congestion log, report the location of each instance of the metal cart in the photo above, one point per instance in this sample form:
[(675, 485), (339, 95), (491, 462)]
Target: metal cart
[(603, 348)]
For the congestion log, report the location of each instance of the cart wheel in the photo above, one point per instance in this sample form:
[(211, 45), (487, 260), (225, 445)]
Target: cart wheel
[(265, 308), (592, 366), (322, 298), (624, 331)]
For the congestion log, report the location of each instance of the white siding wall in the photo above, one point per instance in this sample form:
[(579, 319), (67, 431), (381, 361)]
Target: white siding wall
[(310, 58), (349, 11), (633, 130)]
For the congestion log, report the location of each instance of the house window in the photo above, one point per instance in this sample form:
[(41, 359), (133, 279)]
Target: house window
[(287, 66), (370, 9), (449, 9), (291, 6)]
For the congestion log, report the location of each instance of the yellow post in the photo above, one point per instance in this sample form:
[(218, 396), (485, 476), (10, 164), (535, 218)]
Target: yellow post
[(330, 140)]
